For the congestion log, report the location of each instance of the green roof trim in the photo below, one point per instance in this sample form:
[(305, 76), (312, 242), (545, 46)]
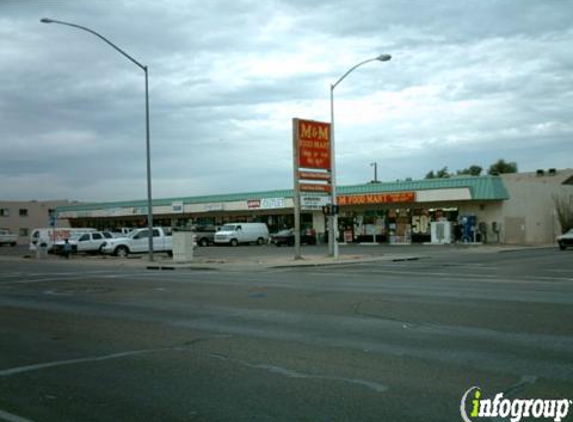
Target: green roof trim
[(482, 188)]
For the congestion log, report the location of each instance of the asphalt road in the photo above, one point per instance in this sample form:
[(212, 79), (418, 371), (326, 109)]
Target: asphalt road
[(387, 341)]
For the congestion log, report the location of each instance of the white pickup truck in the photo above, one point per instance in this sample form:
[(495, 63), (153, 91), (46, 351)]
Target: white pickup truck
[(137, 241), (7, 238)]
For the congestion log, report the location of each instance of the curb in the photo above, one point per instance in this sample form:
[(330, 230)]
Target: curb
[(245, 266)]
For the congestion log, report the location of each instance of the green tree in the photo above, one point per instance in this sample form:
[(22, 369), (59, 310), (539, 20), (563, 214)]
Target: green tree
[(502, 166), (473, 170), (439, 174), (443, 173)]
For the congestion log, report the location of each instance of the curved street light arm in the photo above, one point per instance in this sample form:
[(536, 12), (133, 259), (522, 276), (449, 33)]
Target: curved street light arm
[(350, 71), (91, 31)]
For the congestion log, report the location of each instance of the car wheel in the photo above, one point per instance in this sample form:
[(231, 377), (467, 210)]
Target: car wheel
[(562, 246), (13, 244), (122, 252), (234, 242), (261, 241), (278, 244), (203, 242)]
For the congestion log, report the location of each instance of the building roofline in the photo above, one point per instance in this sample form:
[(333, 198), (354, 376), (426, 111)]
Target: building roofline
[(481, 187)]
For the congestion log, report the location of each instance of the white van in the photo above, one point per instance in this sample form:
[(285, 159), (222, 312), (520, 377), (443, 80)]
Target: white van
[(235, 233), (48, 237)]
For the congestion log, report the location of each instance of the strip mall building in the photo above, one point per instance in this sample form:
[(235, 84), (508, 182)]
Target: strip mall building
[(508, 209)]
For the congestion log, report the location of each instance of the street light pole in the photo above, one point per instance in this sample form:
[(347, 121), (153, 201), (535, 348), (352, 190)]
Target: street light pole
[(147, 136), (333, 221)]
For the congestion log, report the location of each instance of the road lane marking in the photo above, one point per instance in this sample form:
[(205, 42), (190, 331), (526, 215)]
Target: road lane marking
[(119, 355), (36, 367), (379, 388), (82, 277), (12, 418)]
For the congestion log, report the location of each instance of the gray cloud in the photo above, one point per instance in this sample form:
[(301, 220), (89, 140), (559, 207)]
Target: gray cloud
[(469, 82)]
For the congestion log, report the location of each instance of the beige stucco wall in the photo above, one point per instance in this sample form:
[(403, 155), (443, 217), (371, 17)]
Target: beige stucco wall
[(38, 216), (529, 215)]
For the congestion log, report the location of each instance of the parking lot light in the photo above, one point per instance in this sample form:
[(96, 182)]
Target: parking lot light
[(333, 220), (148, 149)]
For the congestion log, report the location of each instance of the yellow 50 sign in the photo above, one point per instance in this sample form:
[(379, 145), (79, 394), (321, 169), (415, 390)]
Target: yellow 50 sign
[(420, 224)]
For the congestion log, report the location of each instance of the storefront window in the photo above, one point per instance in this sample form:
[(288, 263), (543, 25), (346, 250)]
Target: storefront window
[(399, 227)]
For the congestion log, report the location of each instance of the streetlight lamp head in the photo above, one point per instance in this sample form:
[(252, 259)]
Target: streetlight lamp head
[(384, 57), (46, 20)]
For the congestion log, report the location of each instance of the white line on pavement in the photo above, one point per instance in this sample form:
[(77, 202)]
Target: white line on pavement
[(28, 368), (12, 418)]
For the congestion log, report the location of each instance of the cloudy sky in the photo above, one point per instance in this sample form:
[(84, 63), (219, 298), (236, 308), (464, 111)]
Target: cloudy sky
[(469, 82)]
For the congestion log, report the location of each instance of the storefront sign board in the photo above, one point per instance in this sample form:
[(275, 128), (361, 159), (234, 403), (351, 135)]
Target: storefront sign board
[(377, 198)]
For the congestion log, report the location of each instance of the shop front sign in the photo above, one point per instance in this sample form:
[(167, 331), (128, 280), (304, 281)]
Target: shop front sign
[(177, 207), (313, 144), (266, 203), (312, 162), (377, 198), (314, 203)]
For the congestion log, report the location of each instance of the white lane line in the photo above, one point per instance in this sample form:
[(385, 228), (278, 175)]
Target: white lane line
[(28, 368), (37, 367), (12, 418), (377, 387), (42, 280), (82, 277)]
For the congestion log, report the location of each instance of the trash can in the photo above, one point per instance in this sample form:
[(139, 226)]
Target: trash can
[(183, 245)]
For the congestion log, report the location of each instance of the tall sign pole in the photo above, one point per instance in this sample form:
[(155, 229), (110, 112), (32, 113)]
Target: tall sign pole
[(311, 165), (296, 197)]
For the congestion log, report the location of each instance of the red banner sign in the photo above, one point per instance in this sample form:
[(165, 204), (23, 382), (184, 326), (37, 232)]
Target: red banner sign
[(377, 198), (308, 187), (313, 144), (254, 204)]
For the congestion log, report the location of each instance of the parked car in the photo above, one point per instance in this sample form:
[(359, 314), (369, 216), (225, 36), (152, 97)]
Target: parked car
[(121, 232), (85, 243), (565, 240), (236, 233), (204, 235), (286, 237), (48, 236), (137, 241), (7, 238)]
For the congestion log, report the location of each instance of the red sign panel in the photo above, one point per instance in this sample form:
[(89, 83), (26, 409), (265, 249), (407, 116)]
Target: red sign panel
[(308, 187), (377, 198), (254, 204), (313, 145)]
